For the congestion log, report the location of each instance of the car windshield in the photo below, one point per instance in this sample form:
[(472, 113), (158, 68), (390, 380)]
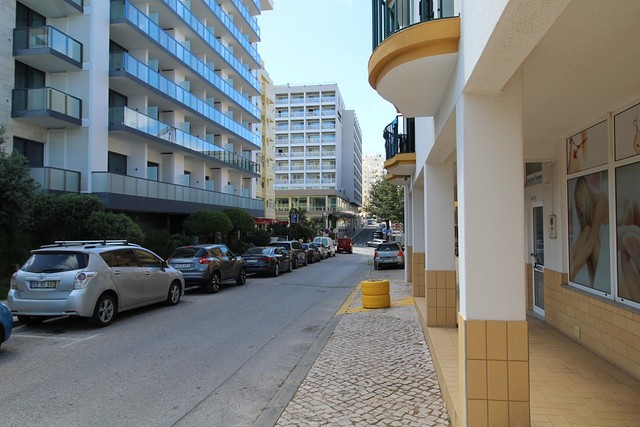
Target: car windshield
[(188, 252), (55, 262)]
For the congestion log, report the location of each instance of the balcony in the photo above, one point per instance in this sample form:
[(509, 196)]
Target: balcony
[(55, 8), (148, 129), (47, 49), (413, 57), (120, 192), (56, 180), (400, 149), (46, 107)]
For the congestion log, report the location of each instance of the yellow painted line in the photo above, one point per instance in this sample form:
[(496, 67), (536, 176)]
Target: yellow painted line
[(345, 306)]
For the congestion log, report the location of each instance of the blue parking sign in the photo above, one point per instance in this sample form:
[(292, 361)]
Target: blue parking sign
[(294, 219)]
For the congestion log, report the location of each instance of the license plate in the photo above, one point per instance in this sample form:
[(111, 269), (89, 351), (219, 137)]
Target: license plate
[(251, 261), (44, 285), (182, 266)]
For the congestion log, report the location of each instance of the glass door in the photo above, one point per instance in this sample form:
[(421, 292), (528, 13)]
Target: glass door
[(537, 258)]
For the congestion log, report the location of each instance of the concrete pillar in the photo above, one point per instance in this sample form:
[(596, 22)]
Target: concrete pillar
[(417, 255), (440, 274), (408, 237), (493, 337)]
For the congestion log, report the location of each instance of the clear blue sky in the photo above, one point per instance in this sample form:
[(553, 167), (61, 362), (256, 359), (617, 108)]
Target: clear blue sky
[(327, 41)]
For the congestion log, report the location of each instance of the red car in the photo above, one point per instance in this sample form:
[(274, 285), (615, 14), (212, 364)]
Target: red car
[(345, 244)]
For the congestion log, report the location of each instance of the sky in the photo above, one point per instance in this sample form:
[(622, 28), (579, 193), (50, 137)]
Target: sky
[(327, 41)]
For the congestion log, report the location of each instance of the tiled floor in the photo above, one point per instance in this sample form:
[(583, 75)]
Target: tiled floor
[(570, 385)]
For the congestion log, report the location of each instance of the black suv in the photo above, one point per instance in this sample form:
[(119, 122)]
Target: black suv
[(208, 265), (297, 254)]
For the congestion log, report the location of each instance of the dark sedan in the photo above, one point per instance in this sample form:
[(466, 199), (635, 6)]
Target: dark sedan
[(267, 259), (312, 251)]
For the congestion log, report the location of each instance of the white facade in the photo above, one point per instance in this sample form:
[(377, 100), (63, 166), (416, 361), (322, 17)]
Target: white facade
[(526, 116), (372, 171), (153, 106)]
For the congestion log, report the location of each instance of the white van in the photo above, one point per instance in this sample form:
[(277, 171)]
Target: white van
[(328, 243)]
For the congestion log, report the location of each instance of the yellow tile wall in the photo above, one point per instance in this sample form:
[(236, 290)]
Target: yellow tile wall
[(609, 329), (440, 288), (529, 279), (408, 255), (495, 355), (417, 273)]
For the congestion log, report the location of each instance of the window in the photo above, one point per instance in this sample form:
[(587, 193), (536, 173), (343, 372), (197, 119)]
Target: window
[(117, 163), (26, 17), (147, 259), (27, 77), (32, 150), (152, 171)]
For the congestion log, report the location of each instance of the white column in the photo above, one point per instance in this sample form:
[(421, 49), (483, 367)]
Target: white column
[(439, 216), (417, 217), (490, 204), (408, 232)]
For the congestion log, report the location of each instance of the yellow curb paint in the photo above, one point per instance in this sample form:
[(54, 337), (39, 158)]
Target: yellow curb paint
[(345, 305)]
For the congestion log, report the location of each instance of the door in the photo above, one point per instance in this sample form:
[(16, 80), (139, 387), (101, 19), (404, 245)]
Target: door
[(537, 258)]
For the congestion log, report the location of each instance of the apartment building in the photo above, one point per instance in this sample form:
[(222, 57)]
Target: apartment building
[(318, 156), (372, 171), (520, 149), (152, 105), (267, 161)]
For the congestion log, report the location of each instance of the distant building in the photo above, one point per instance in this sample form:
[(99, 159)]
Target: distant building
[(318, 156), (372, 171), (266, 188)]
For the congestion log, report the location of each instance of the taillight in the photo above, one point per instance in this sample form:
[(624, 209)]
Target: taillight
[(168, 259), (265, 259), (204, 260), (400, 253), (14, 283), (375, 255), (82, 279)]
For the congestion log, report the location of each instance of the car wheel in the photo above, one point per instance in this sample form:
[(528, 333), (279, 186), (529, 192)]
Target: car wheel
[(289, 270), (276, 270), (174, 294), (105, 311), (242, 278), (30, 320), (213, 285)]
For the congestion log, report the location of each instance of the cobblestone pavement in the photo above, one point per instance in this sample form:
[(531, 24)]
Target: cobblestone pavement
[(375, 370)]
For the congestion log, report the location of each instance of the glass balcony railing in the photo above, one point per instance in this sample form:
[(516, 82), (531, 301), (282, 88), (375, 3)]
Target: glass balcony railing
[(123, 62), (55, 179), (390, 16), (253, 23), (233, 29), (48, 99), (125, 10), (399, 143), (105, 182), (124, 116), (48, 37), (196, 25)]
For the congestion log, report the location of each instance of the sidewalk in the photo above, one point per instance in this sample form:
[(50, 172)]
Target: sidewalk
[(374, 370)]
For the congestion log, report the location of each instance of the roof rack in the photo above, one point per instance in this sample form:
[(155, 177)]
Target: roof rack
[(94, 243)]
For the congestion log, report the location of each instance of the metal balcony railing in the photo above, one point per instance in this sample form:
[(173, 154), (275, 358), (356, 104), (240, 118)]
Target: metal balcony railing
[(398, 143), (390, 16)]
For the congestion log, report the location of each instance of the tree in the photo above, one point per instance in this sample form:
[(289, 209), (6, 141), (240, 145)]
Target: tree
[(109, 225), (243, 223), (205, 224), (303, 229), (386, 201), (63, 217), (16, 193)]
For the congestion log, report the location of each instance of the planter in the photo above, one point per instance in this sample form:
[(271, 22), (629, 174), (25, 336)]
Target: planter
[(375, 294)]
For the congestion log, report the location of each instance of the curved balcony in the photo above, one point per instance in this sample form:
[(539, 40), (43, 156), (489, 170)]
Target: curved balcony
[(413, 62)]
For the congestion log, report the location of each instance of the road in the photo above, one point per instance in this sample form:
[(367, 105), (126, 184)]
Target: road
[(234, 358)]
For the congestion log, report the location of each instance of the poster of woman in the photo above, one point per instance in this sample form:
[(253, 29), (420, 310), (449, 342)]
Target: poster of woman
[(589, 241), (628, 231)]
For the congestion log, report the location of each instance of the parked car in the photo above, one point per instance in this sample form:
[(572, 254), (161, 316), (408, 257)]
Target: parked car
[(93, 279), (375, 243), (6, 323), (324, 251), (267, 259), (345, 244), (328, 243), (208, 265), (389, 254), (296, 252), (313, 254)]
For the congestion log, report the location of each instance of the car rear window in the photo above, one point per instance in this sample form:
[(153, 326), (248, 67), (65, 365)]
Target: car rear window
[(188, 252), (55, 262), (387, 247), (257, 251), (281, 245)]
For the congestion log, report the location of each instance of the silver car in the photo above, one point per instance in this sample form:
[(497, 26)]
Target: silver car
[(92, 279), (388, 254)]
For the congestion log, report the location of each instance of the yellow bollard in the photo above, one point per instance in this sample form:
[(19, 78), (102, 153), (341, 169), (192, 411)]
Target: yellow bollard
[(375, 294)]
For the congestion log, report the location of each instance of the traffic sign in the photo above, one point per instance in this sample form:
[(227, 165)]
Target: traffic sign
[(293, 219)]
